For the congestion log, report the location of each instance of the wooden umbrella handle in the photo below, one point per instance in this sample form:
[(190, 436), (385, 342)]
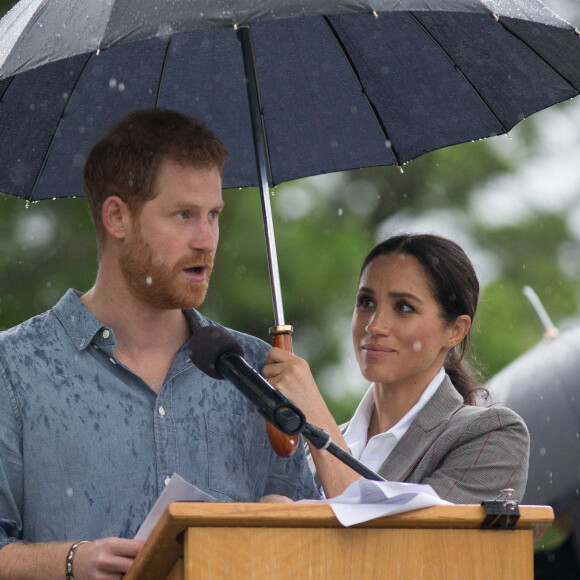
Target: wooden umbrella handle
[(284, 445)]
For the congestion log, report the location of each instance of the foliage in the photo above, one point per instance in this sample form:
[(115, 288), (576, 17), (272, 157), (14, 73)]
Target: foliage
[(323, 232)]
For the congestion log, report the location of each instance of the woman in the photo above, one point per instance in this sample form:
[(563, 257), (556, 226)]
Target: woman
[(419, 422)]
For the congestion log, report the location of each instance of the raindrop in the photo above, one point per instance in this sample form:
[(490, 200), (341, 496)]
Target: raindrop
[(78, 160), (121, 87), (547, 419), (543, 451), (339, 211), (112, 83), (149, 281), (417, 346), (69, 491)]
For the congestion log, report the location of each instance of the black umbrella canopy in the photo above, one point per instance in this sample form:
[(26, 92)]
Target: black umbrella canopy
[(543, 386), (342, 85)]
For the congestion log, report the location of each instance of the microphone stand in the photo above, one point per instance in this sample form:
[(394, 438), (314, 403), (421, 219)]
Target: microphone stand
[(321, 440), (288, 418)]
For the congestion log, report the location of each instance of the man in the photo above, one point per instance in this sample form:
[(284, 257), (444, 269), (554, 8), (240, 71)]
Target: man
[(99, 403)]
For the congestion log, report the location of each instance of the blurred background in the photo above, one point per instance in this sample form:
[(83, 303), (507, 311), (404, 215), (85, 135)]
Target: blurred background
[(512, 203)]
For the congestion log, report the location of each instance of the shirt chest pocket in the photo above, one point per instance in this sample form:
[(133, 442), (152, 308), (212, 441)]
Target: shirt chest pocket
[(238, 456)]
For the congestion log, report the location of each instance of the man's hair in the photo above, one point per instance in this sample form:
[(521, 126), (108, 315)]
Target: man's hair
[(126, 161)]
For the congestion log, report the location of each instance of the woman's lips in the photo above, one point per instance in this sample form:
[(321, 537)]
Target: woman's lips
[(376, 350)]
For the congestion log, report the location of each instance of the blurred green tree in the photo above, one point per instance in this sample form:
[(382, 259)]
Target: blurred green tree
[(324, 227)]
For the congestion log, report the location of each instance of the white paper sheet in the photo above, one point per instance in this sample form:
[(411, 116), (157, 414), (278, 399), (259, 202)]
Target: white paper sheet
[(366, 500), (362, 501), (176, 490)]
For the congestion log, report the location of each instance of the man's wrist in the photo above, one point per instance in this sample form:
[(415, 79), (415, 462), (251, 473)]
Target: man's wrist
[(70, 558)]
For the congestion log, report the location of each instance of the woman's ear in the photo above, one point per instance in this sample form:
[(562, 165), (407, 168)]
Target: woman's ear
[(458, 330), (116, 217)]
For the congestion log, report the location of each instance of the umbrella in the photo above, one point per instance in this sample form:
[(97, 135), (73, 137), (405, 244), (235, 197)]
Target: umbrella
[(316, 87), (543, 387)]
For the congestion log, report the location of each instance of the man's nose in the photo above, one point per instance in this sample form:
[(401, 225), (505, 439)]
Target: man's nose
[(205, 236)]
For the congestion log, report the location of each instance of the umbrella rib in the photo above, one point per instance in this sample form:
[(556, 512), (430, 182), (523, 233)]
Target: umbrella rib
[(8, 83), (62, 116), (515, 35), (458, 69), (363, 90), (162, 75)]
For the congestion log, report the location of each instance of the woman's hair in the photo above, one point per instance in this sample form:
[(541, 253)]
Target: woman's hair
[(455, 287)]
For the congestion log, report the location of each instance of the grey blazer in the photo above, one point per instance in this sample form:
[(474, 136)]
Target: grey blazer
[(466, 453)]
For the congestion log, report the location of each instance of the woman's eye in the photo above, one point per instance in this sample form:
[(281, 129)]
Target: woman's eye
[(404, 307), (364, 302)]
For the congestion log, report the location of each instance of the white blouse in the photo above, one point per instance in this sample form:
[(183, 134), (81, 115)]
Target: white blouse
[(374, 453)]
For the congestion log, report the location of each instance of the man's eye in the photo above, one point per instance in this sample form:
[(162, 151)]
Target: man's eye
[(214, 215), (183, 215)]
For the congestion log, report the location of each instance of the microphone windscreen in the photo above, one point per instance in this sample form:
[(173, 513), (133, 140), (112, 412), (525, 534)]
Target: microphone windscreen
[(207, 344)]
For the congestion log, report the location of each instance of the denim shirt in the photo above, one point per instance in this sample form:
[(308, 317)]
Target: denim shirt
[(86, 446)]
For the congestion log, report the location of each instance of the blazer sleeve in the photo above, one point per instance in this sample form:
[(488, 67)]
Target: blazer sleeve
[(481, 452)]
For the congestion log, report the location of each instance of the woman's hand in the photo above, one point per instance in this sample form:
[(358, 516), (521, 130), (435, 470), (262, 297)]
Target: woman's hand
[(291, 374)]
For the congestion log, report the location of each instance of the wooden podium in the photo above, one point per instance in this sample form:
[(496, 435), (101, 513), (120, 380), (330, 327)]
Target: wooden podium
[(248, 541)]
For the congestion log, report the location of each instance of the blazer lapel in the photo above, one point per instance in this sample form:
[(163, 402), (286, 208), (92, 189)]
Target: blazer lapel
[(422, 432)]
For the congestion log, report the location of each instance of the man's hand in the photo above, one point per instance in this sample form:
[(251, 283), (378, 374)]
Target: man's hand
[(275, 498), (105, 559)]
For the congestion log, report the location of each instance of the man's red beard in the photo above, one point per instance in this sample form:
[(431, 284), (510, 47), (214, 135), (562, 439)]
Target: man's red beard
[(159, 284)]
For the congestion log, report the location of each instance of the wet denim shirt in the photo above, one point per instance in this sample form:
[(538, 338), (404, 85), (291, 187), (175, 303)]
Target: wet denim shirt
[(86, 446)]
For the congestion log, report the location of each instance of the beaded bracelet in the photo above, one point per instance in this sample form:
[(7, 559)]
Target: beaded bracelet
[(69, 559)]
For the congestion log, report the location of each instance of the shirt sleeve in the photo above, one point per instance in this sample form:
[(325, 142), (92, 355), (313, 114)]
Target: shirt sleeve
[(490, 454), (11, 465)]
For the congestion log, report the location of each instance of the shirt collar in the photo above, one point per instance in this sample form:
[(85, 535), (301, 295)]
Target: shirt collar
[(359, 424), (84, 328), (79, 322)]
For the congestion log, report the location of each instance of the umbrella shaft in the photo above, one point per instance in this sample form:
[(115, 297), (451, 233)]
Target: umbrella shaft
[(262, 164)]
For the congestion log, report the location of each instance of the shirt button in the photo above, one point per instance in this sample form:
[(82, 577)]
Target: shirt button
[(106, 334), (167, 480), (161, 411), (96, 346)]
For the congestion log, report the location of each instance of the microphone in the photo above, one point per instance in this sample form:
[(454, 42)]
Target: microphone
[(214, 351)]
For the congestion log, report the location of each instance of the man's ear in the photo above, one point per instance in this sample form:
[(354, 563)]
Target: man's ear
[(459, 329), (116, 217)]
